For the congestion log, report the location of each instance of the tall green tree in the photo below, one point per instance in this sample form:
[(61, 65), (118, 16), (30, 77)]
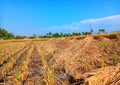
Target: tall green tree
[(4, 34), (56, 35)]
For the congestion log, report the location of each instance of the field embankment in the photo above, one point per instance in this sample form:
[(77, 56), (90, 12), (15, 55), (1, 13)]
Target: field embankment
[(78, 55)]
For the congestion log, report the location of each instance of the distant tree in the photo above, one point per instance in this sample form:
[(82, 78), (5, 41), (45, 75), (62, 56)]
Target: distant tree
[(91, 31), (73, 33), (4, 34), (41, 36), (79, 33), (61, 34), (33, 36), (19, 37), (56, 35), (66, 35), (101, 31), (69, 34), (10, 36), (49, 35), (76, 33), (86, 33), (83, 33)]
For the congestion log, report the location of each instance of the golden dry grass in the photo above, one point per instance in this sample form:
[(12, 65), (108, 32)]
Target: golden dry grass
[(77, 55)]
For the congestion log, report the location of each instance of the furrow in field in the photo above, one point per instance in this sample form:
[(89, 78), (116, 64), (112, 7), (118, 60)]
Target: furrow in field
[(18, 61), (14, 54), (9, 51), (20, 71), (35, 70)]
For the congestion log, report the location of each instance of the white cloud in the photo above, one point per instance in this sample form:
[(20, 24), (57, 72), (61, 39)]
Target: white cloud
[(115, 18), (109, 23)]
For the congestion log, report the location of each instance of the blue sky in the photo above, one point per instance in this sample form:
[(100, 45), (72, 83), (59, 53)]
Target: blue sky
[(26, 17)]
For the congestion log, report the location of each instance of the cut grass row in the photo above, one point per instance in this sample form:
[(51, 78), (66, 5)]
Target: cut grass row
[(11, 61), (48, 74), (14, 72), (8, 50), (22, 70)]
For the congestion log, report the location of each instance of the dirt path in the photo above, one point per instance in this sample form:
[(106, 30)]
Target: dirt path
[(35, 69)]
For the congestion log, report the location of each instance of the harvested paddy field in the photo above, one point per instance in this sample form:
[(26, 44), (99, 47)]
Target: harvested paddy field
[(89, 60)]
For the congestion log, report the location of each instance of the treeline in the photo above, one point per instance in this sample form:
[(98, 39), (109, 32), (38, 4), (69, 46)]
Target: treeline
[(4, 34), (57, 35)]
